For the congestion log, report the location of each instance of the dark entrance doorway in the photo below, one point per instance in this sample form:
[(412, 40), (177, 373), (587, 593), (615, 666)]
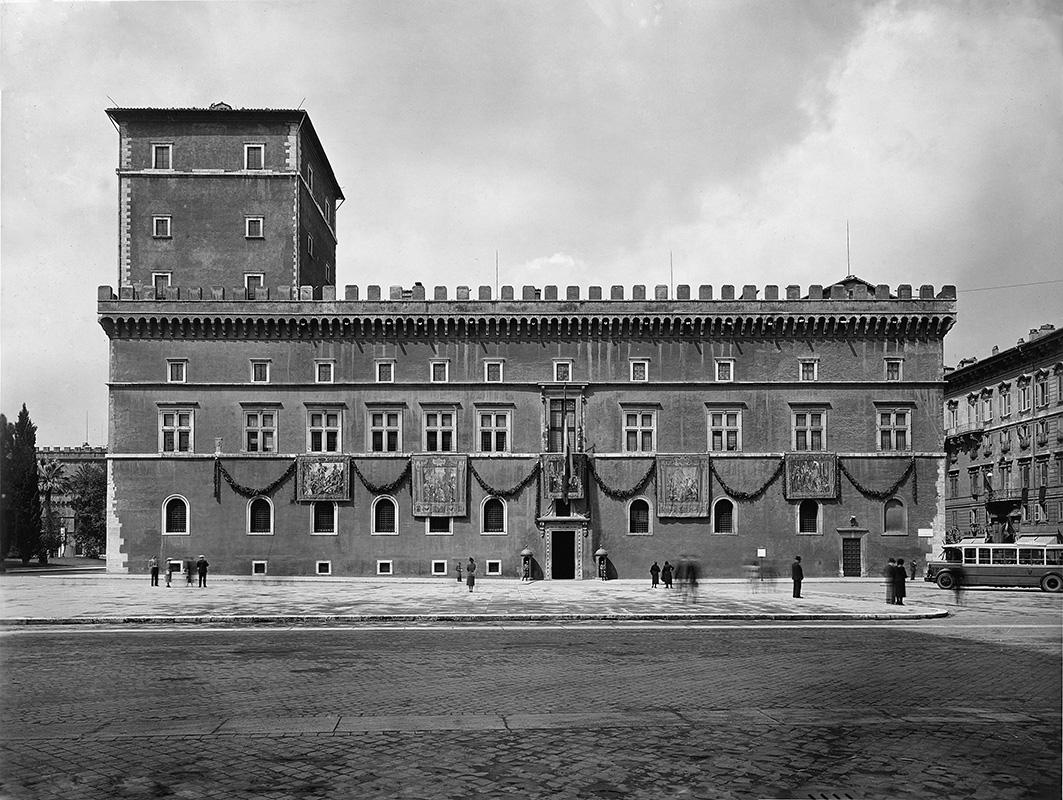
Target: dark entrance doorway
[(563, 555), (851, 558)]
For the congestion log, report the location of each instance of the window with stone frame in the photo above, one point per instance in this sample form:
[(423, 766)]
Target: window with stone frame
[(493, 516), (725, 430), (385, 371), (562, 422), (810, 429), (808, 370), (1041, 472), (260, 431), (161, 226), (638, 514), (724, 516), (1005, 401), (1041, 390), (640, 430), (175, 430), (324, 515), (385, 431), (260, 516), (493, 429), (893, 429), (808, 517), (259, 370), (439, 371), (162, 156), (1024, 474), (323, 431), (954, 484), (640, 370), (254, 156), (176, 516), (1024, 397), (1005, 475), (493, 371), (894, 369), (1040, 431), (439, 433), (441, 526), (385, 516), (725, 370), (987, 407), (176, 370)]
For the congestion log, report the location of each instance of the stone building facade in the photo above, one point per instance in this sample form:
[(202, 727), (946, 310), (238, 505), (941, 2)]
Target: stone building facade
[(72, 459), (1004, 439), (564, 431)]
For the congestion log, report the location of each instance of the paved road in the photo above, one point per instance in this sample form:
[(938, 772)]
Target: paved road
[(963, 707)]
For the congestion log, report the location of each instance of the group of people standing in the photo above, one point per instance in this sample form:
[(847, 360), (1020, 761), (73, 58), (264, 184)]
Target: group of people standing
[(896, 574), (200, 567), (689, 571), (470, 573)]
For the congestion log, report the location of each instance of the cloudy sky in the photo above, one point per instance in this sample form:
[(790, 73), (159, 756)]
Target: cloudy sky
[(584, 141)]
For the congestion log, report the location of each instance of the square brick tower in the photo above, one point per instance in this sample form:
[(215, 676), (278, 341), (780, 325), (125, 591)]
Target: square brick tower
[(224, 197)]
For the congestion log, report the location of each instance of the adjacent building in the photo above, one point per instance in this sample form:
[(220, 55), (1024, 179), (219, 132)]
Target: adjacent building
[(551, 432), (1004, 438), (72, 459)]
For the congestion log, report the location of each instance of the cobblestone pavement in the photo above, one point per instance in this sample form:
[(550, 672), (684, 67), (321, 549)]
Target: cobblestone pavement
[(869, 710)]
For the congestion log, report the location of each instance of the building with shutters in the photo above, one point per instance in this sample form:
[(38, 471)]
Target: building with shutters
[(282, 429)]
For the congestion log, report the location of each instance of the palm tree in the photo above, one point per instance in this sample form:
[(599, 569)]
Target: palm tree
[(50, 480)]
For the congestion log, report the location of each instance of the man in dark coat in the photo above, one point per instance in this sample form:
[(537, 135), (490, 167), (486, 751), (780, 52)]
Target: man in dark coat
[(201, 568), (797, 574), (900, 575), (655, 573)]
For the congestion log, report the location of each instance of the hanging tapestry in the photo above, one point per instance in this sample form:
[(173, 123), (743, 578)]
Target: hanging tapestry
[(440, 485), (811, 476), (682, 486), (322, 478), (555, 468)]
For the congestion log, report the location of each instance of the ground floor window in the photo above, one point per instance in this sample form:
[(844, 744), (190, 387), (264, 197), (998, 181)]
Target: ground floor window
[(384, 516), (439, 567), (384, 568), (324, 517), (894, 517), (175, 516), (324, 567), (724, 517), (808, 517), (638, 516), (258, 567), (494, 567), (260, 516)]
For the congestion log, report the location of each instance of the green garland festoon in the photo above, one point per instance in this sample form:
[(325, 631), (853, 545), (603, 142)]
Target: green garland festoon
[(747, 497), (246, 491), (888, 493), (383, 488), (622, 494), (513, 491)]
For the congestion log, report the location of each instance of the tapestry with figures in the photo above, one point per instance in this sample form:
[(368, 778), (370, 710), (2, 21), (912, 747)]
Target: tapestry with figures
[(683, 488), (322, 478), (440, 485), (811, 476), (554, 468)]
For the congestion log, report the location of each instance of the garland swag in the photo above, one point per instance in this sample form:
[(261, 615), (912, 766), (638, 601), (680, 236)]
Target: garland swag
[(513, 491), (622, 494), (747, 497), (874, 494), (246, 491), (383, 488)]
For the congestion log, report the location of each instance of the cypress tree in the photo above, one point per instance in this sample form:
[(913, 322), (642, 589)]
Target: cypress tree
[(25, 496), (7, 448)]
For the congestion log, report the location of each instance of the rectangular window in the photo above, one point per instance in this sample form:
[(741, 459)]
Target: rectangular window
[(439, 431), (175, 430), (254, 227), (494, 567), (954, 480), (310, 245), (987, 407), (1005, 476), (952, 417), (1041, 391), (809, 430), (324, 518), (494, 431), (327, 205), (975, 477), (725, 431), (383, 568), (310, 178), (893, 430), (385, 431), (162, 156), (439, 567), (640, 371), (254, 156), (323, 371), (439, 371), (160, 227), (176, 370), (492, 372), (439, 526), (253, 281), (1040, 431), (893, 369), (324, 567), (258, 567), (385, 372), (1005, 402), (260, 431), (1024, 474), (161, 282), (1041, 472), (640, 431), (725, 370), (323, 429), (1024, 398), (260, 371), (562, 371), (562, 423), (809, 370)]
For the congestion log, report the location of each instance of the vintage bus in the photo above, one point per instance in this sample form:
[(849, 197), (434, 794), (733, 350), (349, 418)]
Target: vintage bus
[(983, 564)]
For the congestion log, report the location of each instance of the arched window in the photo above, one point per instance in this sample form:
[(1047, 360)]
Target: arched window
[(808, 517), (894, 517), (384, 515), (260, 516), (493, 515), (324, 517), (638, 516), (724, 518), (175, 515)]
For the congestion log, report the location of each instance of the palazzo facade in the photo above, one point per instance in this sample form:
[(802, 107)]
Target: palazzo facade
[(281, 429)]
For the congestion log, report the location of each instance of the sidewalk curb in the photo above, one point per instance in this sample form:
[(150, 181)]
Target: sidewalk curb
[(350, 619)]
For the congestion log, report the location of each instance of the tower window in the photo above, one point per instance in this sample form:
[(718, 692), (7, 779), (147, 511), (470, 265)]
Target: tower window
[(254, 156), (160, 227), (254, 227), (162, 156)]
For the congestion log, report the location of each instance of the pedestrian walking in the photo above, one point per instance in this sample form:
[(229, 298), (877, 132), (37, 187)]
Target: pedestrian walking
[(911, 564), (693, 576), (188, 572), (457, 567), (752, 571), (153, 564), (201, 568), (797, 574), (891, 566), (899, 576), (666, 575), (655, 575), (470, 572), (169, 572), (959, 578)]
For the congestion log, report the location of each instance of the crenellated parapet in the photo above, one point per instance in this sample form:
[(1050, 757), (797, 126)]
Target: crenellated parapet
[(857, 310)]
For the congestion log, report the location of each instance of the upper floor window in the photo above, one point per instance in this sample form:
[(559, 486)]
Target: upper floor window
[(494, 431), (324, 518), (1024, 474), (323, 431), (310, 245), (260, 370), (987, 407), (385, 431), (640, 431), (254, 227), (1040, 431), (176, 369), (562, 371), (725, 370), (893, 369), (327, 206), (1041, 472), (951, 416), (260, 516), (954, 484), (175, 430), (161, 282), (1005, 401), (253, 281), (808, 517), (640, 370), (1041, 391), (725, 430), (385, 371), (562, 425), (439, 371), (254, 156), (1024, 397), (893, 429), (493, 372), (160, 227), (894, 517), (260, 431), (309, 177), (439, 431), (323, 371), (809, 369), (162, 156), (809, 430)]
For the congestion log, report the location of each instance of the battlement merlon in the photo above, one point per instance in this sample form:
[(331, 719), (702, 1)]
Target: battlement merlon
[(288, 311)]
